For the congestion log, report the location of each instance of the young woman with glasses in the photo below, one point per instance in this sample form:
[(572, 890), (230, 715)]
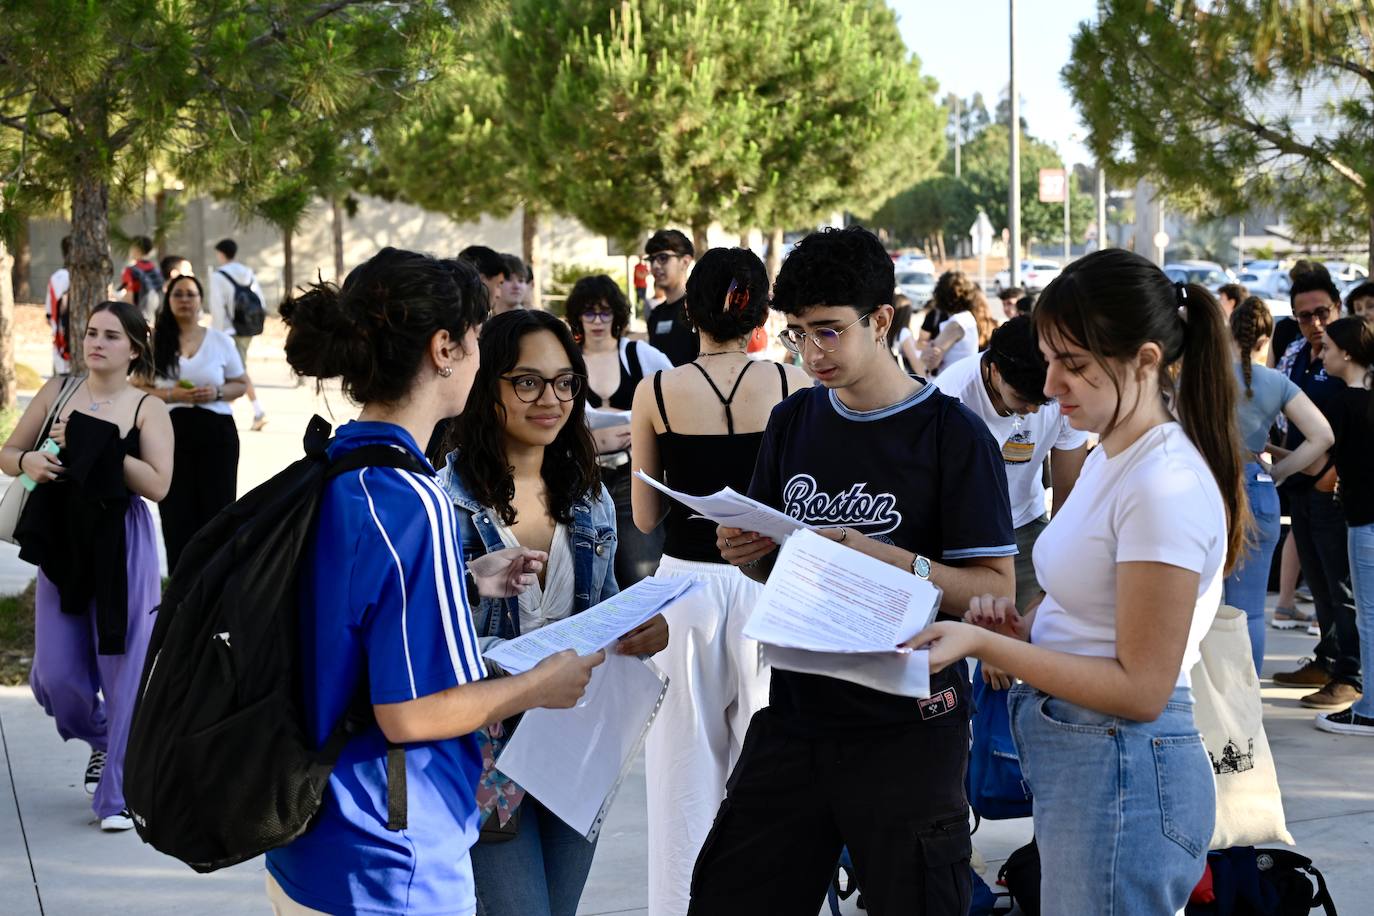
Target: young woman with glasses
[(521, 471), (698, 428), (599, 314)]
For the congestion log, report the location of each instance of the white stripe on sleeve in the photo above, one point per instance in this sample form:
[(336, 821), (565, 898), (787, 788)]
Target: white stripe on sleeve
[(453, 555), (400, 574)]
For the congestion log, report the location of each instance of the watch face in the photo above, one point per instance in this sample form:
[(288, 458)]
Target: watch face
[(921, 567)]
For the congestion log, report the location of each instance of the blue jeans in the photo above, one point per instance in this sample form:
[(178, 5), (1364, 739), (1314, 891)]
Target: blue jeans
[(539, 873), (1362, 578), (1248, 583), (1123, 810)]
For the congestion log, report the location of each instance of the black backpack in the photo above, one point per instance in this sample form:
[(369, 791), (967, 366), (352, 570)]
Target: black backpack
[(219, 766), (248, 315), (149, 295)]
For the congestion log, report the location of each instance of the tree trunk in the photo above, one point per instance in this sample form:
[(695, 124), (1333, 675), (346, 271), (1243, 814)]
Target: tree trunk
[(160, 222), (23, 264), (774, 259), (744, 238), (701, 238), (90, 258), (1371, 238), (7, 384), (337, 218), (531, 251), (288, 274)]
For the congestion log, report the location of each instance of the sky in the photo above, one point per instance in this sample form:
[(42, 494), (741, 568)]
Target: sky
[(963, 44)]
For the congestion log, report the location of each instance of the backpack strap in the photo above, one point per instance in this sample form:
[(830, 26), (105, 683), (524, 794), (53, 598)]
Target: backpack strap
[(232, 282), (782, 377), (632, 357)]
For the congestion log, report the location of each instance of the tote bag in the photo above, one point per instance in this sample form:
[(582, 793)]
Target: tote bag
[(1230, 716), (16, 494)]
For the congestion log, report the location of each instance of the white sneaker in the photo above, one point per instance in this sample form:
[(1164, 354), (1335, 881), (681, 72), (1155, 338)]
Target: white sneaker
[(1314, 630), (117, 822)]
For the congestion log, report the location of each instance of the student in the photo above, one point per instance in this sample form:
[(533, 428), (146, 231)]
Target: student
[(900, 340), (670, 254), (59, 284), (698, 428), (1360, 301), (1010, 298), (1005, 388), (599, 315), (1348, 354), (493, 270), (641, 281), (231, 271), (141, 281), (905, 474), (1318, 526), (198, 374), (967, 325), (1132, 567), (1229, 297), (514, 287), (1265, 395), (87, 528), (173, 266), (523, 472)]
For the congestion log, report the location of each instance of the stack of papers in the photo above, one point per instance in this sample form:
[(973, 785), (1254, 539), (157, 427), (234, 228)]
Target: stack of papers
[(594, 629), (828, 609), (735, 510)]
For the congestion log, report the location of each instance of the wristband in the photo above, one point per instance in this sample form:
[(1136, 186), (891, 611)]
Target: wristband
[(22, 456)]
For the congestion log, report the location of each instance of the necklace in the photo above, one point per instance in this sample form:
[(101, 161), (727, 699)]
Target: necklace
[(95, 405), (724, 353)]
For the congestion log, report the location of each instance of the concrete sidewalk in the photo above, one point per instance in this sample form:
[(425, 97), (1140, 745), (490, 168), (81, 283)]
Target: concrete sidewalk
[(54, 860)]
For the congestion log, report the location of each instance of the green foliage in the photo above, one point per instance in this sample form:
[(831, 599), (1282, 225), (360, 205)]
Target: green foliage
[(562, 278), (16, 636), (937, 205), (1198, 98)]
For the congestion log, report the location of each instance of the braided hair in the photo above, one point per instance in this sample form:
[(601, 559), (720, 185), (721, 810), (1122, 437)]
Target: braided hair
[(1249, 322)]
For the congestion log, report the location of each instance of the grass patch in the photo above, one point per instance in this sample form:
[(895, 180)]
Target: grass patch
[(16, 637), (26, 378), (8, 418)]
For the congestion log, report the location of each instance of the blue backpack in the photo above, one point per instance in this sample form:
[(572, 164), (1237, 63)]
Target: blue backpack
[(996, 788)]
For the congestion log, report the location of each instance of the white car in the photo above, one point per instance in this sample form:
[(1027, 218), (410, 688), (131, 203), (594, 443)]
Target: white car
[(1267, 284), (1036, 274), (914, 263), (1204, 273), (1345, 273), (916, 285)]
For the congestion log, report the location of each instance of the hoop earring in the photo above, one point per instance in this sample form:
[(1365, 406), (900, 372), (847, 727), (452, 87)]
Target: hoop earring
[(445, 371)]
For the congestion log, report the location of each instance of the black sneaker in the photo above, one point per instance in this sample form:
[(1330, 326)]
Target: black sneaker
[(1346, 722), (95, 767)]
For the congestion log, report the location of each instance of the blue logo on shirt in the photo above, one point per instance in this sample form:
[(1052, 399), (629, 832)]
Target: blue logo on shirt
[(871, 514)]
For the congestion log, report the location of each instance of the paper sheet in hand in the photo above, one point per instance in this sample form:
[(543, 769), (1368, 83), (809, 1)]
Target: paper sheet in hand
[(595, 628), (906, 674), (734, 510), (573, 760)]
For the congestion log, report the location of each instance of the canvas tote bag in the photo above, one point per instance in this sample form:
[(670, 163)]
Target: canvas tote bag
[(1230, 716)]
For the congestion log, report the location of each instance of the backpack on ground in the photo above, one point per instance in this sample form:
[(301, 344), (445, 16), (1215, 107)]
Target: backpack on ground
[(996, 788), (1245, 881), (220, 767), (149, 278), (1020, 875), (248, 315)]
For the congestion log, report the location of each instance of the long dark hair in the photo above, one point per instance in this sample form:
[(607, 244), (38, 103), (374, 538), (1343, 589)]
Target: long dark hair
[(1113, 302), (1356, 337), (901, 318), (135, 328), (1249, 322), (569, 470), (167, 334)]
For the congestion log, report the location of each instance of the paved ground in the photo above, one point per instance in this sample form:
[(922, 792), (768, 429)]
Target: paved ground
[(54, 861)]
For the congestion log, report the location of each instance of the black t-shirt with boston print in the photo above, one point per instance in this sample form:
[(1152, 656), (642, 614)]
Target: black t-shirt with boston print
[(923, 474)]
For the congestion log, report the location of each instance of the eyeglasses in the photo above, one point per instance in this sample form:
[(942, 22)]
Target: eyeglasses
[(1320, 313), (530, 388), (601, 315), (827, 340), (663, 257)]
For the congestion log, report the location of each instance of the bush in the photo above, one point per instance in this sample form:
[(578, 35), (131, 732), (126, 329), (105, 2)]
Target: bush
[(562, 278), (16, 637)]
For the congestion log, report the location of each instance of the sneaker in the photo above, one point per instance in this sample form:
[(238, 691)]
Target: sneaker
[(94, 768), (1304, 594), (1290, 618), (259, 422), (117, 822), (1311, 674), (1314, 630), (1347, 722), (1335, 695)]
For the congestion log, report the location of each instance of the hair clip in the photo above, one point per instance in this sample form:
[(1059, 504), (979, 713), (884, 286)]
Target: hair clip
[(736, 297)]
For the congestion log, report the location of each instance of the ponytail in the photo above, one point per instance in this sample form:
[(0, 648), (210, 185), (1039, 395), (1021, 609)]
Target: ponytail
[(1206, 405), (1249, 322)]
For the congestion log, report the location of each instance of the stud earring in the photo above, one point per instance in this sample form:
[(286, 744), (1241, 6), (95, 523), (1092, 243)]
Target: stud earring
[(446, 371)]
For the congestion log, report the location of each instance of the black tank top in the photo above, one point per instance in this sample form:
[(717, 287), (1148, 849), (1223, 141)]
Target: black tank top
[(623, 397), (700, 465)]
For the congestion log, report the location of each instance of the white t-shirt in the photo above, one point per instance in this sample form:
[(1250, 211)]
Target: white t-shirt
[(967, 345), (1155, 502), (1025, 441), (222, 294), (215, 361)]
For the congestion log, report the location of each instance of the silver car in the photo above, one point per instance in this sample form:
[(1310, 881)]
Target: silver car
[(918, 286)]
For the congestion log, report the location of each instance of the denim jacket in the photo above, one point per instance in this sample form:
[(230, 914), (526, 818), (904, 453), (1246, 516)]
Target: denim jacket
[(593, 545)]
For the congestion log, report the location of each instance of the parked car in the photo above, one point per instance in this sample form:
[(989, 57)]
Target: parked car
[(1036, 274), (916, 285), (1346, 273), (1267, 284), (1204, 273), (915, 262)]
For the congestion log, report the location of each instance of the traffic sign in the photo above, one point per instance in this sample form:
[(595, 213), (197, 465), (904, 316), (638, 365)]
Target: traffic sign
[(1052, 184), (980, 233)]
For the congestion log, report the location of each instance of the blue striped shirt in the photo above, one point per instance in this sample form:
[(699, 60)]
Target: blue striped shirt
[(384, 600)]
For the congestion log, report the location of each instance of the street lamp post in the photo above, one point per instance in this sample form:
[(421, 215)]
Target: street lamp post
[(1014, 192)]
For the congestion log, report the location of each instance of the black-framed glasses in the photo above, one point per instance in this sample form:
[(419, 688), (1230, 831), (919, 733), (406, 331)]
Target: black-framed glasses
[(827, 340), (1320, 313), (530, 387), (604, 316), (663, 257)]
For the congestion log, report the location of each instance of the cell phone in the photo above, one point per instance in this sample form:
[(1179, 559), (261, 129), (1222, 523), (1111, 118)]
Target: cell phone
[(49, 446)]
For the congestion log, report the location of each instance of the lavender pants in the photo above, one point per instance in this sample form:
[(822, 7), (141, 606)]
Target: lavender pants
[(92, 696)]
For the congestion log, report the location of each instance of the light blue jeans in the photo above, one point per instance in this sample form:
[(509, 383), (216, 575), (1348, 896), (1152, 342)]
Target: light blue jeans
[(1248, 583), (1362, 578), (539, 873), (1123, 810)]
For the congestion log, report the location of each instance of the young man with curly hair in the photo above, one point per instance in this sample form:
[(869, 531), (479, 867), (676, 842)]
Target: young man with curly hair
[(891, 467)]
